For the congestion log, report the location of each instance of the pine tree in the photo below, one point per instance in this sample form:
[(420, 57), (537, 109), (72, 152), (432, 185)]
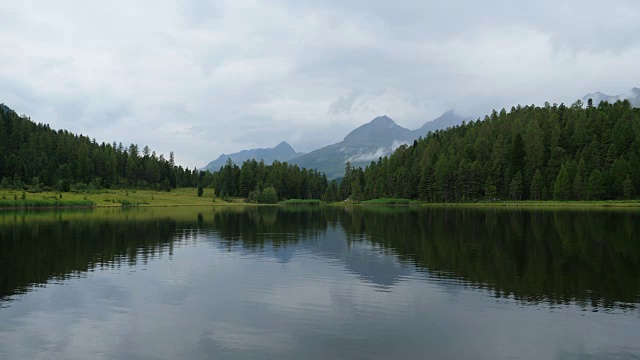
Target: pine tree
[(562, 188), (537, 182), (515, 190), (356, 193), (490, 189), (595, 186), (628, 188)]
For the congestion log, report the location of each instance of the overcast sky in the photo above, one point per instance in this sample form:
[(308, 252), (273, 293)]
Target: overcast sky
[(205, 77)]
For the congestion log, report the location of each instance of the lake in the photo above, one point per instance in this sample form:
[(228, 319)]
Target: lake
[(319, 283)]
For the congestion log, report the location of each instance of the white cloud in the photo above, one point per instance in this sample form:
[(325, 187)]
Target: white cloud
[(202, 78)]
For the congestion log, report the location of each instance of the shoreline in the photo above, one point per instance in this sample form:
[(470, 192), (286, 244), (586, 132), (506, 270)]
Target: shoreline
[(604, 204), (502, 205), (497, 205)]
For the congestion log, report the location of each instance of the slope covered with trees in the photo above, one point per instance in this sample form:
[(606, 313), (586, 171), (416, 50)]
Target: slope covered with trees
[(529, 153), (35, 156)]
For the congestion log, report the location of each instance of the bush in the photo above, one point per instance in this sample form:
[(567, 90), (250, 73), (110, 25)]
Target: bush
[(269, 196), (63, 185)]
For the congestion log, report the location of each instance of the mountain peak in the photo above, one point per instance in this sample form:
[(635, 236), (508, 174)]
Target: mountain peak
[(284, 146), (281, 152), (384, 119), (380, 128), (448, 119)]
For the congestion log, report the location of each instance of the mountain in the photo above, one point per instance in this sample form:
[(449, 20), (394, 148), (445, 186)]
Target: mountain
[(446, 120), (380, 130), (282, 152), (633, 96), (367, 143)]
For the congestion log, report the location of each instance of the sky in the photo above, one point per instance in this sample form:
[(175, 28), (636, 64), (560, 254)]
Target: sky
[(202, 78)]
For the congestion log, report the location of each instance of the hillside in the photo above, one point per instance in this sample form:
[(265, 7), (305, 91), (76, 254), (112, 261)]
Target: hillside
[(528, 153), (37, 156)]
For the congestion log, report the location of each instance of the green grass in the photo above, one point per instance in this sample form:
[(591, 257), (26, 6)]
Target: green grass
[(551, 204), (45, 203), (301, 202), (121, 197), (390, 201), (544, 204)]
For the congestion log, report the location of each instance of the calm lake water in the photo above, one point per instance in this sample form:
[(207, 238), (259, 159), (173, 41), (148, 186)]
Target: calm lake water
[(320, 283)]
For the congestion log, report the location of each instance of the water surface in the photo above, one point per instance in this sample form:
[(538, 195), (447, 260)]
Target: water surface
[(320, 283)]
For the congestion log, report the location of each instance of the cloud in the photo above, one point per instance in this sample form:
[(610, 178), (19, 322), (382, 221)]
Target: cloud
[(369, 156), (203, 78)]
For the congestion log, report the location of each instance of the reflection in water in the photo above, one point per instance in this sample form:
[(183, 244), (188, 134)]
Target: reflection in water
[(319, 283), (589, 257), (592, 258)]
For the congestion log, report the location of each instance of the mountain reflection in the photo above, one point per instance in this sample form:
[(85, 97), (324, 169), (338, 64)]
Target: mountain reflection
[(591, 258)]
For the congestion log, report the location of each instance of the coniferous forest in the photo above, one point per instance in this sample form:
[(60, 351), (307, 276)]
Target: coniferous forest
[(34, 156), (552, 152)]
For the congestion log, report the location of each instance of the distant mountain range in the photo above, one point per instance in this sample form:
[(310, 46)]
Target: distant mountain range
[(367, 143), (633, 96), (282, 152), (378, 138)]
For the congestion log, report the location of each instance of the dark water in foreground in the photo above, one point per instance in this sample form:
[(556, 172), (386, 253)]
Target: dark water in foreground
[(320, 283)]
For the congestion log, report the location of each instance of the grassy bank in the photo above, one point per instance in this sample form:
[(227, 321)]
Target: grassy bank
[(113, 198), (629, 204), (390, 201), (545, 204), (301, 202), (45, 203)]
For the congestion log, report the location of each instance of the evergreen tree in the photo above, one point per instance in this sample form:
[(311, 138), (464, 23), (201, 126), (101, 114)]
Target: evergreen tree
[(595, 186), (562, 189), (628, 188), (515, 190), (356, 193), (536, 186)]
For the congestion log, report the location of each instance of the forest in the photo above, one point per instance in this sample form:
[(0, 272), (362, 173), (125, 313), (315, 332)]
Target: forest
[(554, 152), (262, 183), (35, 157)]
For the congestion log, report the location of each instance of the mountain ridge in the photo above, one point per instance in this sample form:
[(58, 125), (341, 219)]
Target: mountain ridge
[(368, 142), (281, 152), (633, 96)]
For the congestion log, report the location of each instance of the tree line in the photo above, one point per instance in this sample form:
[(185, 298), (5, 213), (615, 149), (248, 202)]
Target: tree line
[(37, 157), (258, 182), (554, 152)]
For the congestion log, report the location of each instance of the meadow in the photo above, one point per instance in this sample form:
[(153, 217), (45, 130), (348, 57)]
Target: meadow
[(113, 198)]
